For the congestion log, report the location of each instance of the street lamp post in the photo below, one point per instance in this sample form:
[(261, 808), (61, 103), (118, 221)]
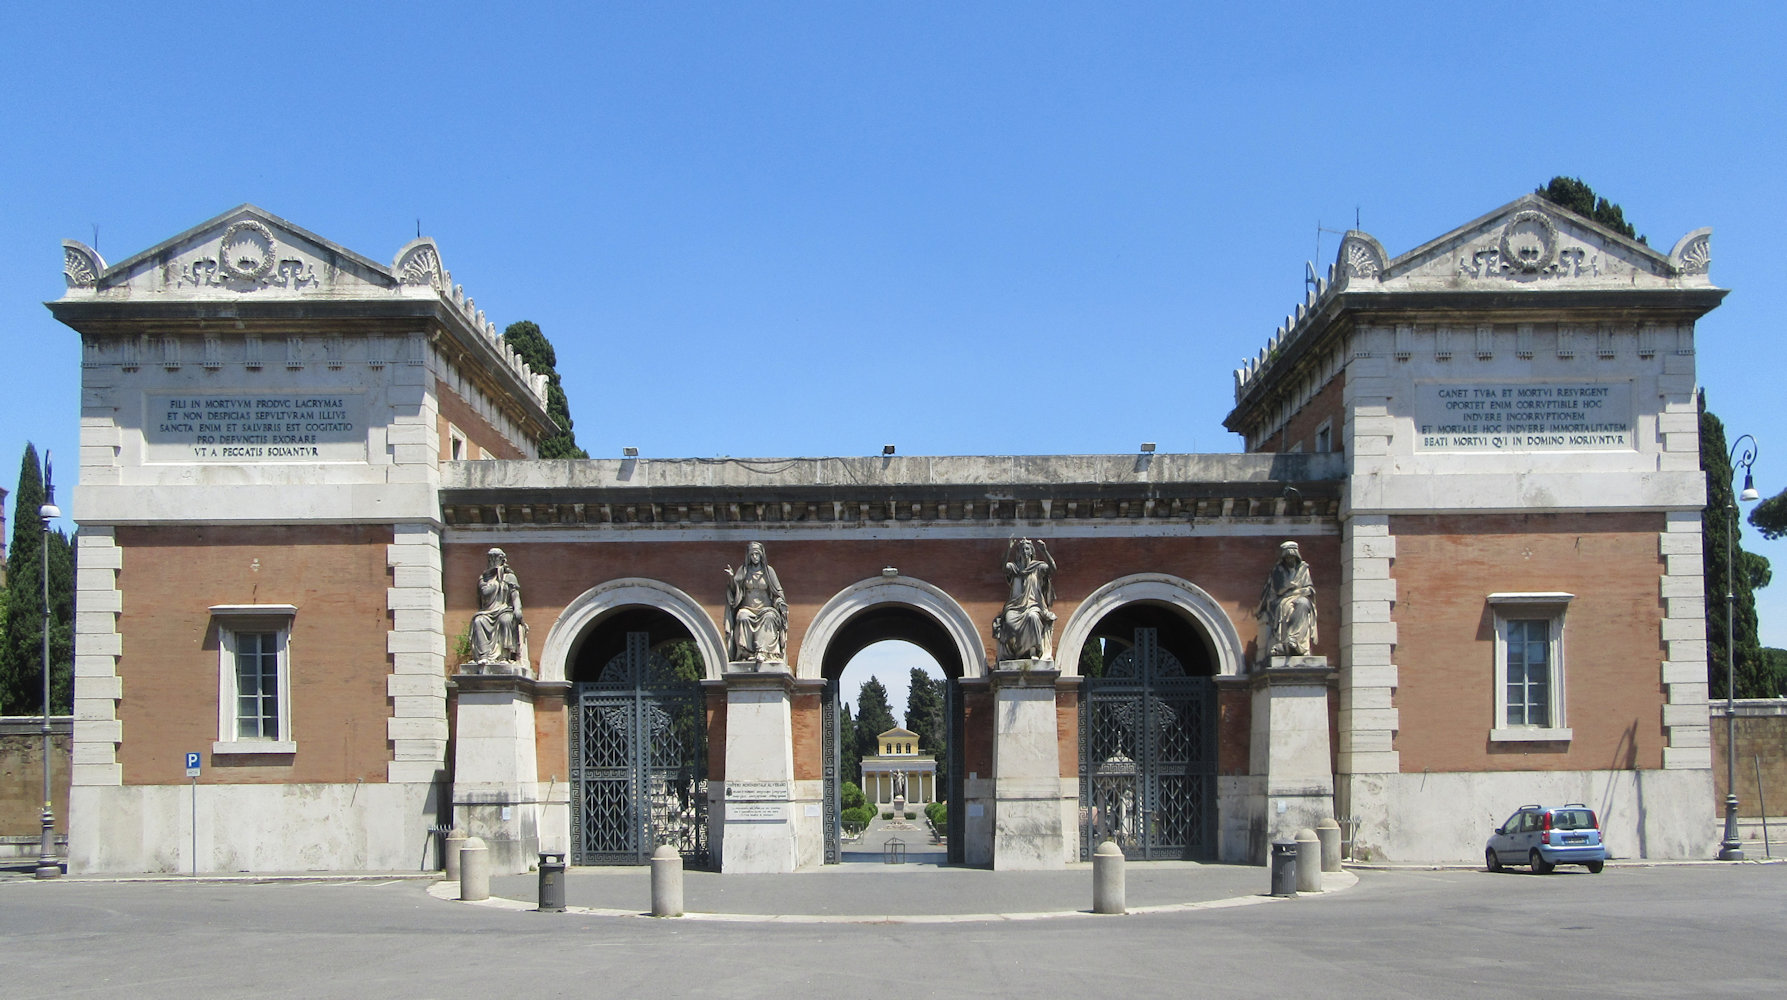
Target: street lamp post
[(47, 865), (1732, 849)]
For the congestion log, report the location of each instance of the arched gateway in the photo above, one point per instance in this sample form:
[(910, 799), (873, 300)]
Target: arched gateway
[(1133, 722)]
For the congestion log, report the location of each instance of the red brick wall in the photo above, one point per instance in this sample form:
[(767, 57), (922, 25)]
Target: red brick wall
[(1328, 404), (336, 577), (485, 441), (1445, 568), (809, 740)]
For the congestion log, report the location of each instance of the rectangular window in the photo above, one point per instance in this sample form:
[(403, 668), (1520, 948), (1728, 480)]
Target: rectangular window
[(1324, 436), (254, 678), (1529, 667)]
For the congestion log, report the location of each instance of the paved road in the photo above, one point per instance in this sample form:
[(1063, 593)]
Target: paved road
[(1675, 931)]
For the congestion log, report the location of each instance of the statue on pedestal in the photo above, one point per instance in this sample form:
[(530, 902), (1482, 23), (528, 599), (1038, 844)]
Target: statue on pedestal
[(1024, 630), (756, 610), (499, 633), (1287, 607)]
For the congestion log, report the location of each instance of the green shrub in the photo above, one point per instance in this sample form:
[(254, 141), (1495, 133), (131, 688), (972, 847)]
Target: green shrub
[(888, 814), (938, 814), (850, 796), (911, 815), (857, 819)]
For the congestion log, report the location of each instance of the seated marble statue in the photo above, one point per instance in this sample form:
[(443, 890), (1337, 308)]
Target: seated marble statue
[(498, 629), (1024, 630), (756, 610), (1287, 607)]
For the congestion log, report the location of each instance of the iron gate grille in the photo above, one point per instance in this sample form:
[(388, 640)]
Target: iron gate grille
[(955, 821), (829, 725), (638, 761), (1148, 756)]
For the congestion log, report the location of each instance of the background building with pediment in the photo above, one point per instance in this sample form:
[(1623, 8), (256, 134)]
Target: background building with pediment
[(900, 768), (306, 475)]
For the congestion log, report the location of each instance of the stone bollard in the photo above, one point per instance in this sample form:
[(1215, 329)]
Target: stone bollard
[(667, 882), (1328, 832), (1309, 861), (1108, 892), (474, 869), (455, 842)]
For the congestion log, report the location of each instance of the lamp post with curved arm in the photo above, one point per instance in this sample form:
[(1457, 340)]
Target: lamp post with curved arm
[(1732, 849), (47, 865)]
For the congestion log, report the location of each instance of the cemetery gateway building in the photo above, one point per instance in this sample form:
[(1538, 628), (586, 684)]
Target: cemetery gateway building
[(316, 547)]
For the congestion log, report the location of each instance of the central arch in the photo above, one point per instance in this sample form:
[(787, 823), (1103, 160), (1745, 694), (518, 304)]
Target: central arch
[(960, 640), (1228, 653)]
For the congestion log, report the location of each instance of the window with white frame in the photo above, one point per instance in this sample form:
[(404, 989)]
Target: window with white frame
[(254, 702), (1529, 666), (1324, 436)]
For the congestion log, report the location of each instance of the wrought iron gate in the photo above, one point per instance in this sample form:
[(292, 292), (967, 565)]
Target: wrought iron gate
[(1148, 756), (639, 761), (830, 708), (955, 822)]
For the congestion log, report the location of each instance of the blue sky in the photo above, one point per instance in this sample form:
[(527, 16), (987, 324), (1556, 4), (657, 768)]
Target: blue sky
[(960, 228)]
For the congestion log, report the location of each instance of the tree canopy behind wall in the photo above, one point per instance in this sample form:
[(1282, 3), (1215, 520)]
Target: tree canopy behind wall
[(529, 342), (21, 642)]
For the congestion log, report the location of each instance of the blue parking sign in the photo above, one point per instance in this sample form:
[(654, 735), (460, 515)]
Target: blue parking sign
[(192, 765)]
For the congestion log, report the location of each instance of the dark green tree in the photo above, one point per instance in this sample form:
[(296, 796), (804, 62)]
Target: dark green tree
[(849, 753), (1750, 571), (1770, 516), (21, 652), (527, 340), (1572, 194), (873, 717), (924, 716), (1092, 658)]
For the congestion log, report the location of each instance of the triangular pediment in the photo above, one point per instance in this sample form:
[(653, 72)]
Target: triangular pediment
[(246, 251), (1527, 243), (898, 733)]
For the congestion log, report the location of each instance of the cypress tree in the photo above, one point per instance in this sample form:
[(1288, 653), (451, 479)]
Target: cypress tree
[(1754, 676), (529, 342), (21, 649), (873, 717)]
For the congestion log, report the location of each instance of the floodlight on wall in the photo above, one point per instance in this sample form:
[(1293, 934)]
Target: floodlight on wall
[(887, 449), (629, 452), (1147, 447)]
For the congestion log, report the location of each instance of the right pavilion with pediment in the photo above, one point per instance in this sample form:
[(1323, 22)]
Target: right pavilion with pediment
[(1522, 613)]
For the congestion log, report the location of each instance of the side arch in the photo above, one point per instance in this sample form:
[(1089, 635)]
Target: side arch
[(879, 591), (1153, 588), (568, 629)]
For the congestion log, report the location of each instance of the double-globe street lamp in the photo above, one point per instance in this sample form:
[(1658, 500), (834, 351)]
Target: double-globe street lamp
[(1732, 849), (47, 865)]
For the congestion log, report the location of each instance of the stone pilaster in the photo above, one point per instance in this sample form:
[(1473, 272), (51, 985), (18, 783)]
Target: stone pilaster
[(495, 767), (97, 686), (1289, 753), (758, 831), (1684, 594), (417, 644), (1029, 831), (1368, 675)]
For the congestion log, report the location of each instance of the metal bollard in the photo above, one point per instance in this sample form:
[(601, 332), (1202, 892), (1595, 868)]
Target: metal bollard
[(1108, 889), (1309, 861), (474, 869), (455, 842), (552, 882), (667, 882), (1284, 868), (1328, 832)]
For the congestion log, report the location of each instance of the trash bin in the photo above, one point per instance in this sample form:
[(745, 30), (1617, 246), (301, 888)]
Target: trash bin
[(1284, 868), (552, 882)]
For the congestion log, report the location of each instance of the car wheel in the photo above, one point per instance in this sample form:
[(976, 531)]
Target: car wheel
[(1540, 865), (1490, 861), (1594, 867)]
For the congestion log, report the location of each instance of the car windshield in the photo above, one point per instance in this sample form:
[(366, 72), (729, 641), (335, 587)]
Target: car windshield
[(1573, 819)]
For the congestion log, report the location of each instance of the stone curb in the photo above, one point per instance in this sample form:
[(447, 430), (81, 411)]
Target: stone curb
[(449, 892), (1466, 866)]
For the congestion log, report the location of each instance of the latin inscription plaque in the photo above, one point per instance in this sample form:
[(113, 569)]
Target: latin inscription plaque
[(254, 427), (1524, 416)]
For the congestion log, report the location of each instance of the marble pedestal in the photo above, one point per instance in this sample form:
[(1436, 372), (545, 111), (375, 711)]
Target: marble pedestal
[(758, 829), (1029, 826), (1289, 759), (496, 777)]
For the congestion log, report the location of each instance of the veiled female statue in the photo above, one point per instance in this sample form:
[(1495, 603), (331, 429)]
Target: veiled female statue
[(1287, 607), (498, 629), (756, 610), (1024, 630)]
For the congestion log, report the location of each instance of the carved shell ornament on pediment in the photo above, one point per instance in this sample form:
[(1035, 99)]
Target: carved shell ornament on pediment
[(1697, 256), (421, 266), (1529, 242), (1361, 260), (79, 269)]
